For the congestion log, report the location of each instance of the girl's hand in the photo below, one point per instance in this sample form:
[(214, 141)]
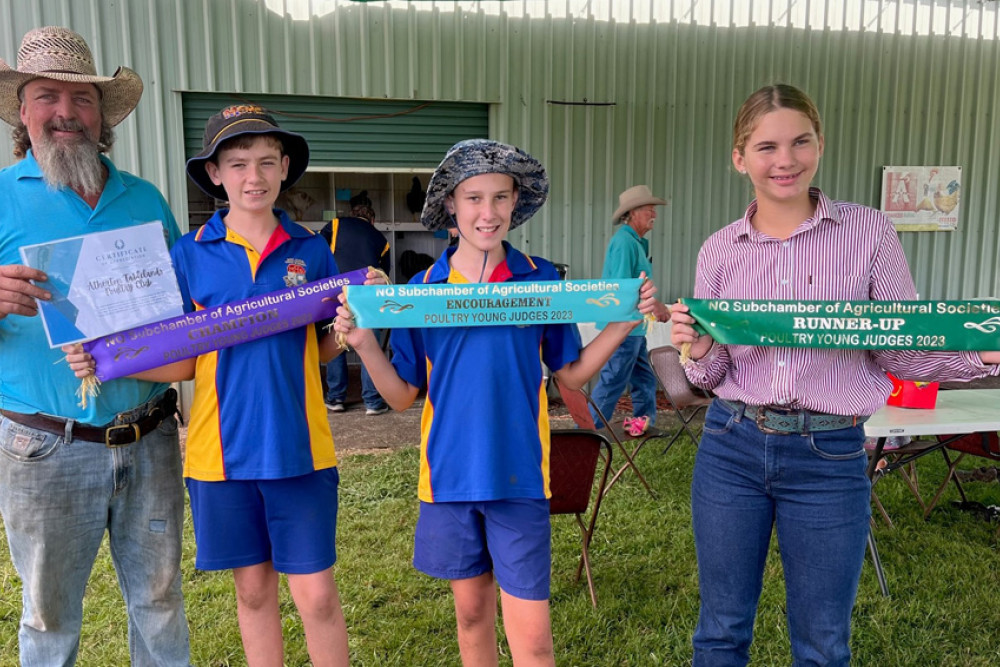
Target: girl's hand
[(682, 332), (992, 357), (80, 362)]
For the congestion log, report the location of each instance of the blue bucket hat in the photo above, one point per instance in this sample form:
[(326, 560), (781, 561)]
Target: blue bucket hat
[(484, 156)]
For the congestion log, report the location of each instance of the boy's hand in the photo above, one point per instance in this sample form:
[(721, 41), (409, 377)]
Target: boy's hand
[(682, 331), (648, 303), (344, 324), (374, 277), (80, 362)]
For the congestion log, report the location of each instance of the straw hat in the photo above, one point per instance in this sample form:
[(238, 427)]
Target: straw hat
[(633, 198), (473, 157), (61, 54), (242, 119)]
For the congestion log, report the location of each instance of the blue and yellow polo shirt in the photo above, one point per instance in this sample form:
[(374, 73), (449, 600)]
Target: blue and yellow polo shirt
[(258, 408), (485, 427)]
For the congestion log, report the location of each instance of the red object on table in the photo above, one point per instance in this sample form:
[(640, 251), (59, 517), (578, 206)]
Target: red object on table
[(909, 394)]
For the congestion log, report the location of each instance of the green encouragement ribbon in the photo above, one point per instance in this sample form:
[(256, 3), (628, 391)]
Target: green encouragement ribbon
[(856, 325), (494, 304)]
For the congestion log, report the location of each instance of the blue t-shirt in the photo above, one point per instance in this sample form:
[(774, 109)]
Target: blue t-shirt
[(258, 409), (485, 427), (627, 257), (32, 379)]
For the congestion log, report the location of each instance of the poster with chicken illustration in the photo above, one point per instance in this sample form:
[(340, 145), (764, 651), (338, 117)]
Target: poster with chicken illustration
[(922, 199)]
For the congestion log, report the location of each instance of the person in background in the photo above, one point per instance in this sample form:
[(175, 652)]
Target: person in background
[(628, 257), (355, 244), (68, 474)]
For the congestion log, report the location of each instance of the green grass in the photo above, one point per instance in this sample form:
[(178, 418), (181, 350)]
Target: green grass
[(944, 575)]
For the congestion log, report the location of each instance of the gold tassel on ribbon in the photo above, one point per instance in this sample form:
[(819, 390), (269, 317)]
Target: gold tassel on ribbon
[(685, 354), (89, 389), (340, 337), (685, 350)]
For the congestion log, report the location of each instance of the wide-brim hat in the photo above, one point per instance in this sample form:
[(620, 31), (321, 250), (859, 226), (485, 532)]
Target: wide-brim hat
[(59, 53), (484, 156), (633, 198), (238, 120)]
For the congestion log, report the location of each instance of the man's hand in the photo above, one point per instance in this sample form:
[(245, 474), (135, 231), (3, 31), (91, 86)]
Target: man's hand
[(17, 295)]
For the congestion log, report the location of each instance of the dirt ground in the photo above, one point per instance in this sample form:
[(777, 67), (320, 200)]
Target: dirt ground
[(355, 432)]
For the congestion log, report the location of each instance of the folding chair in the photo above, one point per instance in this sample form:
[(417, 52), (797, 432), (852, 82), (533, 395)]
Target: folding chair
[(908, 471), (573, 458), (578, 403), (683, 400), (985, 445)]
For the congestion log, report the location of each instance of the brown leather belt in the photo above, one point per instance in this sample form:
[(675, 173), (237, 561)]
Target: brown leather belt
[(112, 435)]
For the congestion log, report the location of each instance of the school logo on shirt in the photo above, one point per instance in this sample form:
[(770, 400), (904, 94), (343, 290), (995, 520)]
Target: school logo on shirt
[(296, 274)]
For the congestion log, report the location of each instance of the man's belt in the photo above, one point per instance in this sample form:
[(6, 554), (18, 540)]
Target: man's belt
[(113, 434), (780, 421)]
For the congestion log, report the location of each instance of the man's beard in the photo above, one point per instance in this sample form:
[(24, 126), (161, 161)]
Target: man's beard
[(75, 164)]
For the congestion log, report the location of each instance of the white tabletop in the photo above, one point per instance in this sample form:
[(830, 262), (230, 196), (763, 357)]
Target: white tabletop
[(657, 333), (957, 411)]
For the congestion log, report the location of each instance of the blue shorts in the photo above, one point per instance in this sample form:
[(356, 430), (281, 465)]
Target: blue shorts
[(512, 538), (291, 522)]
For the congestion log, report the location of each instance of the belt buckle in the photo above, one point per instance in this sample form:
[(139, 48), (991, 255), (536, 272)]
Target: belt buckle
[(107, 435), (760, 418)]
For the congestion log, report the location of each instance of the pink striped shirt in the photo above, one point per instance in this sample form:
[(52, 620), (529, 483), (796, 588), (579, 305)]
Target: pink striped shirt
[(844, 252)]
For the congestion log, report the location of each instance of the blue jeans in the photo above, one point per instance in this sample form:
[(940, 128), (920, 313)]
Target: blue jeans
[(628, 365), (336, 384), (813, 491), (58, 498)]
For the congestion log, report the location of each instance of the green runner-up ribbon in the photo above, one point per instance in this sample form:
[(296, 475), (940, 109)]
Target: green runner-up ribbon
[(494, 304), (856, 325)]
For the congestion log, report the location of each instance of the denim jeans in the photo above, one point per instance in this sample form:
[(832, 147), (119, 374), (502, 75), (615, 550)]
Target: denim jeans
[(336, 383), (812, 489), (628, 365), (58, 498)]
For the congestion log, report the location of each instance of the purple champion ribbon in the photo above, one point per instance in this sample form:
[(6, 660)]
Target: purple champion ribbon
[(203, 331)]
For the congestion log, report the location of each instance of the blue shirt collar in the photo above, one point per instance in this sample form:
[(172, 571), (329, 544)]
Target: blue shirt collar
[(517, 262), (215, 228)]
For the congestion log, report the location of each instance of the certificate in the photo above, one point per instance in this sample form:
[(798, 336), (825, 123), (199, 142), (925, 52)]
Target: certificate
[(105, 282)]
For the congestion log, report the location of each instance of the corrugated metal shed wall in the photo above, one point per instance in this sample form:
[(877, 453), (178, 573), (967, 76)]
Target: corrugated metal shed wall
[(345, 132), (907, 85)]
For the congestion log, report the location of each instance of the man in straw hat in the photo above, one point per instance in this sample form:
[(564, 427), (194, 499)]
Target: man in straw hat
[(70, 474), (628, 257)]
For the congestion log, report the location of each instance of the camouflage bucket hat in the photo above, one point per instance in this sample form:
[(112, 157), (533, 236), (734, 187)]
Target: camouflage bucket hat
[(484, 156)]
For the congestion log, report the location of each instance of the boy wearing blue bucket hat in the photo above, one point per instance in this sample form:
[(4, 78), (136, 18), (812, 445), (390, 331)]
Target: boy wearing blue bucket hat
[(483, 486)]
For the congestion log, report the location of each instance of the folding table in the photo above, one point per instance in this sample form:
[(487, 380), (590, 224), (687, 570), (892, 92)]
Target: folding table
[(958, 412)]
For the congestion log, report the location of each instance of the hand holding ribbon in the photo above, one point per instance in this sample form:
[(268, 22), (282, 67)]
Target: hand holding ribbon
[(203, 331)]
